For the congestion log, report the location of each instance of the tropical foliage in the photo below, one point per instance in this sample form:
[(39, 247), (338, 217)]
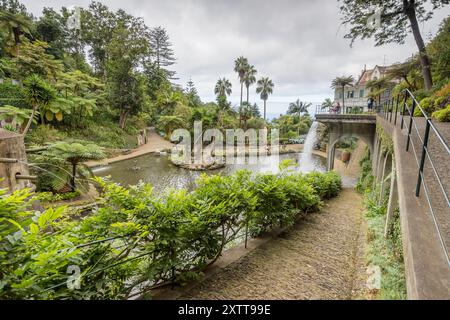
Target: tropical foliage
[(136, 240), (264, 88), (385, 252), (298, 107), (341, 83), (426, 73), (396, 20)]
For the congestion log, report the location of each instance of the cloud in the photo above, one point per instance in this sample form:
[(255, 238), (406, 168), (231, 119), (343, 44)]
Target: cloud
[(297, 43)]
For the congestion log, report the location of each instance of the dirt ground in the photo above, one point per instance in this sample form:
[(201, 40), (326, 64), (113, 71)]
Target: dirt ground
[(155, 143)]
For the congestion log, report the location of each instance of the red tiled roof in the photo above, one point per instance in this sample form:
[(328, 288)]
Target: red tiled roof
[(365, 76)]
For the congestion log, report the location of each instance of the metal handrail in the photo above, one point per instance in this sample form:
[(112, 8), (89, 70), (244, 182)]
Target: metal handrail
[(387, 111)]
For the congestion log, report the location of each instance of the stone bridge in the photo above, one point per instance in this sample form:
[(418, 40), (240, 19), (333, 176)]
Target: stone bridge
[(343, 126), (423, 203)]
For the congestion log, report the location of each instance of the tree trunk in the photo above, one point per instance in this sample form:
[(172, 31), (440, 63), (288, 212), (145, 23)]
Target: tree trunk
[(72, 178), (29, 121), (42, 118), (264, 110), (424, 60), (407, 82), (123, 119), (343, 99), (247, 95), (16, 32)]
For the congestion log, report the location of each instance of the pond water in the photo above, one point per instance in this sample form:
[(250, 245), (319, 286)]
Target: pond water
[(161, 173)]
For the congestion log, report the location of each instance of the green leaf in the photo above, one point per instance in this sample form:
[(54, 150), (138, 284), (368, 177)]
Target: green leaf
[(49, 115), (34, 229)]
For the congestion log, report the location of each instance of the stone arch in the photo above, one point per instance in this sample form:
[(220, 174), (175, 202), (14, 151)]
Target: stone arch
[(335, 138)]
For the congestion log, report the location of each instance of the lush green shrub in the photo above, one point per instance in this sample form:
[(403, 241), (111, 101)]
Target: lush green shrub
[(325, 185), (384, 252), (105, 134), (13, 95), (136, 239), (442, 115), (365, 179), (437, 105), (44, 134), (51, 197)]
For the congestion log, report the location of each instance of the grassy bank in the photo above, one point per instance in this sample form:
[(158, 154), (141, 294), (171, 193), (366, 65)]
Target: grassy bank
[(387, 253)]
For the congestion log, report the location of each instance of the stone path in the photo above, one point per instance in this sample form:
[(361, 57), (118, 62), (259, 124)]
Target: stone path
[(155, 143), (321, 257)]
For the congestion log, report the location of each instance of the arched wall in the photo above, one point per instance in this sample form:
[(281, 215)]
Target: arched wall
[(338, 130)]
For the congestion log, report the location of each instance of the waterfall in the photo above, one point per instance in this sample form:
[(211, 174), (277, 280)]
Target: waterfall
[(307, 163)]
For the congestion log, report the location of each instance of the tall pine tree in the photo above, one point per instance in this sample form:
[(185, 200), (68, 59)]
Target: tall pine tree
[(192, 94), (162, 52)]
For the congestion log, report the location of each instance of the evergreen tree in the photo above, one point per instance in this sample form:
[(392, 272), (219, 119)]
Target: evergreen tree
[(162, 52), (98, 23), (192, 94)]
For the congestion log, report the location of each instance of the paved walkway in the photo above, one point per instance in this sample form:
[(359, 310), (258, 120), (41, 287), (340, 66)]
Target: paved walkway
[(155, 143), (321, 257)]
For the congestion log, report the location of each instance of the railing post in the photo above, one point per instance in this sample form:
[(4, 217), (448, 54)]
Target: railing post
[(391, 108), (396, 109), (410, 123), (422, 160), (387, 109), (403, 110)]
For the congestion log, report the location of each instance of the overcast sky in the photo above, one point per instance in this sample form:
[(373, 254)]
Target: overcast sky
[(297, 43)]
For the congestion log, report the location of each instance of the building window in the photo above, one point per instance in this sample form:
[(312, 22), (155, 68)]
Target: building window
[(350, 94), (361, 93)]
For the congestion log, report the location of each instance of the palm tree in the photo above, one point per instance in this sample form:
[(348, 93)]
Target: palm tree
[(38, 94), (377, 87), (74, 154), (223, 88), (246, 111), (403, 70), (249, 79), (241, 66), (326, 104), (14, 25), (170, 123), (342, 82), (264, 88), (298, 107), (14, 117)]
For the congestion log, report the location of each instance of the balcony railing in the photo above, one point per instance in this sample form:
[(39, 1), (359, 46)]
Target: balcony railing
[(348, 109)]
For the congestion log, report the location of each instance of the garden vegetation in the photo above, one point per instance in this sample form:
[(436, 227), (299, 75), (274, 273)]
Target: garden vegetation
[(136, 240), (387, 253)]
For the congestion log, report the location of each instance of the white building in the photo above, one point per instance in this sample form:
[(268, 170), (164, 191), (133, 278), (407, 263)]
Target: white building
[(357, 96)]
